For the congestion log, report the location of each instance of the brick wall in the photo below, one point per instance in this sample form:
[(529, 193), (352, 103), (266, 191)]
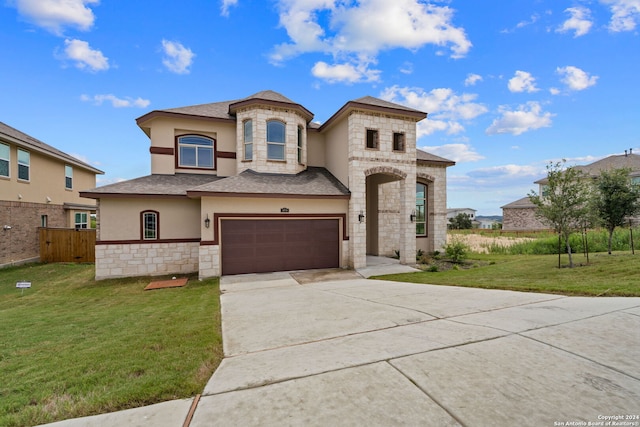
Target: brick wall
[(21, 243)]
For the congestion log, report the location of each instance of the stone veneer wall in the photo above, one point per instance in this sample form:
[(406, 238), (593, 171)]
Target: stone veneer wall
[(21, 242), (146, 259), (209, 261), (521, 219), (384, 160), (260, 163), (388, 218), (436, 179)]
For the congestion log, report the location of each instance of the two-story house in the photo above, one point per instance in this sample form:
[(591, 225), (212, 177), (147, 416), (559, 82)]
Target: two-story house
[(521, 214), (39, 187), (253, 185)]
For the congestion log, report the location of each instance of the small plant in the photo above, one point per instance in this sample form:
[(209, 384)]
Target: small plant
[(419, 254), (396, 253), (433, 268), (456, 250), (436, 254), (455, 267)]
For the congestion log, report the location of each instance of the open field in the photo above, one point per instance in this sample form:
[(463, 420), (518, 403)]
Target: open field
[(72, 347), (604, 275)]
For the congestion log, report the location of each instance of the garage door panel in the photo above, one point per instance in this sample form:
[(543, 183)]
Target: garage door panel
[(256, 246)]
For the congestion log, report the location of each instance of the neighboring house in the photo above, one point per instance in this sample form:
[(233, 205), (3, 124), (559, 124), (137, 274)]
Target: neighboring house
[(454, 212), (253, 185), (520, 215), (38, 188), (486, 223)]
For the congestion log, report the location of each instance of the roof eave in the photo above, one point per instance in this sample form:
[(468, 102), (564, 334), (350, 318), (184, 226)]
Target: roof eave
[(197, 194), (235, 106), (353, 105)]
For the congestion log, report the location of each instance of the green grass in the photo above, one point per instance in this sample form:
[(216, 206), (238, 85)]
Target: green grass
[(71, 346), (605, 275)]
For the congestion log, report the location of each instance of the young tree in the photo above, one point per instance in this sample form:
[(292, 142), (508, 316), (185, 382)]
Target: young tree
[(462, 221), (565, 203), (615, 199)]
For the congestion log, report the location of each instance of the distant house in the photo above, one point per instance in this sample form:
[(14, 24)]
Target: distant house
[(454, 212), (254, 185), (39, 187), (520, 214), (486, 223)]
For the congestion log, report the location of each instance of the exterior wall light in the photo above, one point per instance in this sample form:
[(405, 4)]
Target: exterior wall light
[(361, 217), (412, 217), (207, 221)]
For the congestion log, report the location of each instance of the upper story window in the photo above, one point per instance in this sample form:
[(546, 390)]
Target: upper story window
[(299, 144), (24, 164), (421, 209), (4, 160), (68, 177), (275, 140), (248, 139), (150, 225), (195, 151), (398, 141), (372, 139)]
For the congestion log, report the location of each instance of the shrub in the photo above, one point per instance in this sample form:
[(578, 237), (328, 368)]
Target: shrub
[(456, 250)]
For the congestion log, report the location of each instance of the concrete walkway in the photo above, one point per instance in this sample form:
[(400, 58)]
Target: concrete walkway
[(376, 353)]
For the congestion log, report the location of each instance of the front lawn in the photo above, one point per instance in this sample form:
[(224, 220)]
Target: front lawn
[(604, 275), (71, 346)]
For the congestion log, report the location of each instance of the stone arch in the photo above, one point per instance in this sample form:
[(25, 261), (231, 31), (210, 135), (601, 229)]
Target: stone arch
[(385, 170), (421, 176)]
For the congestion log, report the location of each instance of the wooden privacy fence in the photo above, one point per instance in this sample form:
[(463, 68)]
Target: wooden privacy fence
[(67, 245)]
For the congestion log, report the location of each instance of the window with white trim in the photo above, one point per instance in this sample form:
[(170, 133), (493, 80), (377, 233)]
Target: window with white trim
[(4, 160), (195, 151), (248, 139), (68, 177), (150, 225), (81, 220), (299, 144), (24, 165), (421, 209), (275, 140)]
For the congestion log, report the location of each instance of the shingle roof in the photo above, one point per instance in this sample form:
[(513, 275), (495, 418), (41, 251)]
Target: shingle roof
[(520, 203), (377, 102), (428, 157), (314, 181), (627, 161), (159, 185), (26, 141)]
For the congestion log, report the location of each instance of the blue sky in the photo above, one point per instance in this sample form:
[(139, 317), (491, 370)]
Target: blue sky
[(508, 85)]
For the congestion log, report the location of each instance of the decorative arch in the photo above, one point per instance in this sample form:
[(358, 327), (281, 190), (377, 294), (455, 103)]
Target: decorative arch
[(425, 177), (385, 170)]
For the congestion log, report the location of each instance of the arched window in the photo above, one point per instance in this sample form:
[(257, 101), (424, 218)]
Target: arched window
[(421, 209), (275, 140), (150, 225), (248, 139), (195, 151)]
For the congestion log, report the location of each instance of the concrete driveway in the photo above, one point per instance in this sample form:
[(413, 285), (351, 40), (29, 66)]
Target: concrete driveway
[(368, 352)]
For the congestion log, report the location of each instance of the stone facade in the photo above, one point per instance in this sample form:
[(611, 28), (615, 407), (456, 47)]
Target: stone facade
[(146, 259), (20, 242), (521, 219)]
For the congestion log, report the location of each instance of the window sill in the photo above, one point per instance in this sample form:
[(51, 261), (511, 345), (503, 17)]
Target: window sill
[(277, 160)]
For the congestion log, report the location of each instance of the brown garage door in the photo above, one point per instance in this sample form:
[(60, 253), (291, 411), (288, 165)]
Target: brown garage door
[(259, 246)]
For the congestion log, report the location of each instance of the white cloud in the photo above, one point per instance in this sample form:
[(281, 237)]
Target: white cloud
[(522, 82), (446, 109), (53, 15), (554, 91), (472, 79), (459, 153), (507, 172), (115, 101), (103, 180), (579, 22), (406, 68), (625, 14), (226, 4), (534, 18), (85, 57), (575, 78), (177, 58), (526, 118), (357, 30), (346, 73)]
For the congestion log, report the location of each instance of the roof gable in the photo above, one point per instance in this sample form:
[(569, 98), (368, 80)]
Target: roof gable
[(23, 140)]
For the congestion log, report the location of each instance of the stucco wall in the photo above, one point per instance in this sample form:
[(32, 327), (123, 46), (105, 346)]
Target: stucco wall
[(120, 218)]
